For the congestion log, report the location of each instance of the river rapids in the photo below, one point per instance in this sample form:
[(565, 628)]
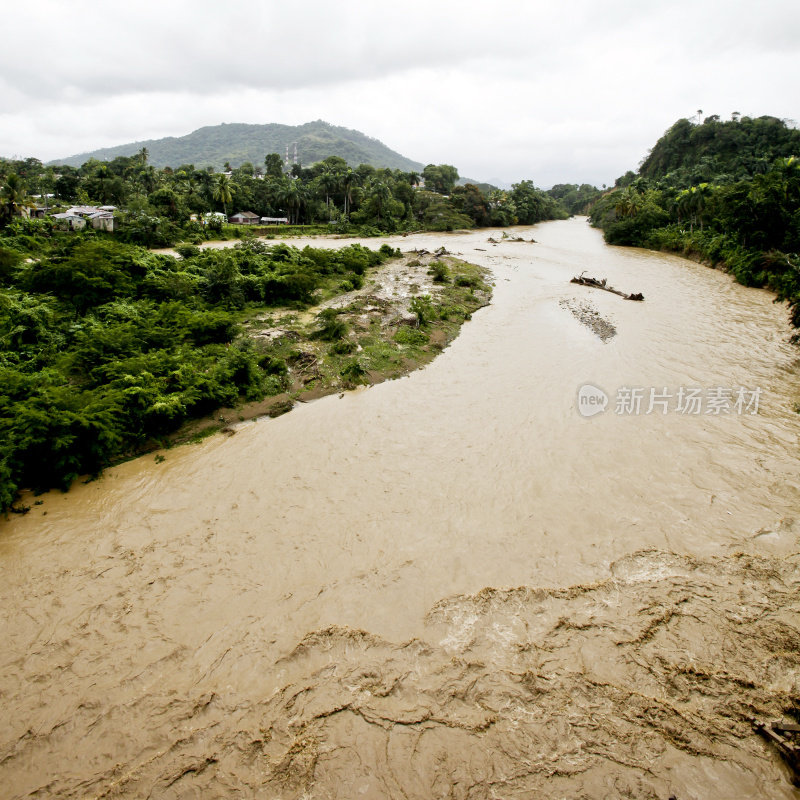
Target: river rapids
[(466, 583)]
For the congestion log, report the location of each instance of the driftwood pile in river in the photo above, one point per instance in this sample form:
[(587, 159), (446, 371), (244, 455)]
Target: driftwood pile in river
[(602, 285), (442, 251)]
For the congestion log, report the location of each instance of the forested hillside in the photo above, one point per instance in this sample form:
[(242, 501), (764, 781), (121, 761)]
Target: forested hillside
[(725, 192), (237, 143), (719, 150)]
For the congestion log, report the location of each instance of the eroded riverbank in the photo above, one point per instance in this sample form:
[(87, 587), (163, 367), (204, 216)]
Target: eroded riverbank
[(405, 313), (452, 582)]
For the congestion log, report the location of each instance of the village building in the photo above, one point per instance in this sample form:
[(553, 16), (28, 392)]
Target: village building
[(101, 218), (103, 221), (69, 222), (83, 211), (210, 216), (245, 218), (274, 220)]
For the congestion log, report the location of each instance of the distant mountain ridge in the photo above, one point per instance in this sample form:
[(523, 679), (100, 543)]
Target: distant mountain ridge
[(237, 143)]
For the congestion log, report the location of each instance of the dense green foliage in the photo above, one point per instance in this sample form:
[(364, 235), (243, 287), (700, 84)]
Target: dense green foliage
[(724, 192), (158, 208), (105, 346), (576, 199), (239, 143), (719, 151)]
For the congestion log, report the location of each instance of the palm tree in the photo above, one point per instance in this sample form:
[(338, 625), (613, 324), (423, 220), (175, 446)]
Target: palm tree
[(144, 153), (380, 194), (147, 178), (679, 204), (328, 182), (205, 178), (14, 195), (295, 197), (349, 179), (188, 184), (628, 202), (701, 194), (222, 192)]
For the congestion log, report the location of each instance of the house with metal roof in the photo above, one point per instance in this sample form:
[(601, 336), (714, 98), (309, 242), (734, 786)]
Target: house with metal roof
[(69, 222), (245, 218)]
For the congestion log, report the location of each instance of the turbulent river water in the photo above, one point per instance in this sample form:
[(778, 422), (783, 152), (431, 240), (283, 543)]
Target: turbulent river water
[(450, 585)]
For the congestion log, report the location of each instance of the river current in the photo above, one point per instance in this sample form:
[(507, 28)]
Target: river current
[(456, 584)]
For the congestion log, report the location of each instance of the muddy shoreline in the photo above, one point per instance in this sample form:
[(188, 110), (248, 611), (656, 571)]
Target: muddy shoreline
[(383, 303)]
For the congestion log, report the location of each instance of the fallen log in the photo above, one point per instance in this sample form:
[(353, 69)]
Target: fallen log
[(601, 284), (785, 736)]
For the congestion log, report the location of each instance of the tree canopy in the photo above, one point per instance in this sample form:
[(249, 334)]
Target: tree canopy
[(725, 192)]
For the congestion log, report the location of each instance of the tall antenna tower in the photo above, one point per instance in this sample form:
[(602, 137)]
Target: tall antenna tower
[(294, 159), (286, 160)]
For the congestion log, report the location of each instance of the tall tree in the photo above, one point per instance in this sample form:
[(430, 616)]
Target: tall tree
[(440, 178), (350, 179), (329, 182), (222, 192), (274, 165), (14, 196), (380, 196)]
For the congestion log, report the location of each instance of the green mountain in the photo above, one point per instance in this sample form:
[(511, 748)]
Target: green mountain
[(239, 142)]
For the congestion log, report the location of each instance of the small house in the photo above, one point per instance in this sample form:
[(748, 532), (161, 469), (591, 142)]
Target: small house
[(244, 218), (103, 221), (69, 222), (101, 218), (213, 216), (83, 211)]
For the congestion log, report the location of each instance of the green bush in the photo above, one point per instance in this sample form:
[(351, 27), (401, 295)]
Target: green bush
[(422, 307), (343, 347), (413, 336), (353, 373), (331, 328), (439, 272)]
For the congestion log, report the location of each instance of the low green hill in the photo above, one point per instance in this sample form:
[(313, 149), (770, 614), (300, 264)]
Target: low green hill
[(238, 142), (737, 149), (725, 193)]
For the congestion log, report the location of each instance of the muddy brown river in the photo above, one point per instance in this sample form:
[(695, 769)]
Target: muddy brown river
[(457, 584)]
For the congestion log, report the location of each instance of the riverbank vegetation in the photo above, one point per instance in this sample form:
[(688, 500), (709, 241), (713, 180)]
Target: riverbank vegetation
[(724, 192), (107, 349)]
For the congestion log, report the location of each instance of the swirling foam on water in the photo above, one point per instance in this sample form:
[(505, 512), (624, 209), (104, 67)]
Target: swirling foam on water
[(301, 609)]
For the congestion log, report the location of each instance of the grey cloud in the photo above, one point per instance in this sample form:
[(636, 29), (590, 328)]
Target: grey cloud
[(551, 91)]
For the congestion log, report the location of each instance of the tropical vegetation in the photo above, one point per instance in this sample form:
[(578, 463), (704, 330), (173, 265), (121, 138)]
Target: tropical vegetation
[(726, 192), (105, 346), (160, 207)]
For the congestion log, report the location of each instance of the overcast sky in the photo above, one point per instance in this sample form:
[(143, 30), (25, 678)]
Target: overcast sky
[(558, 91)]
